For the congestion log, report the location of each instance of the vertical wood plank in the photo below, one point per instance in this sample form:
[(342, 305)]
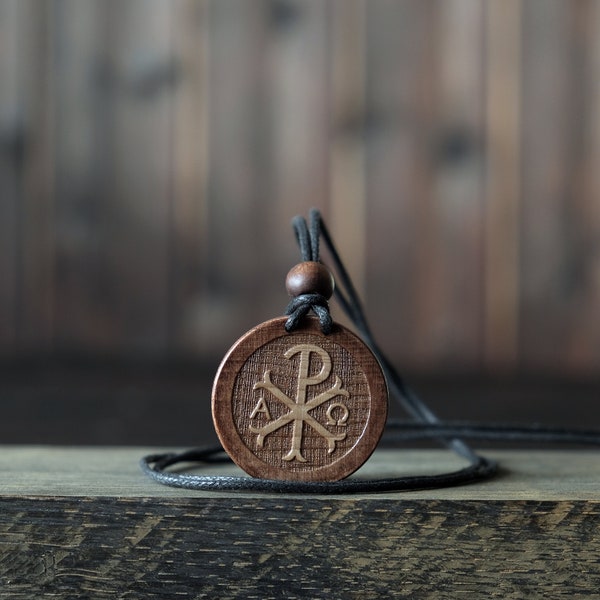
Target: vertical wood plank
[(11, 140), (503, 182), (399, 106), (138, 195), (81, 156), (238, 171), (583, 346), (189, 256), (113, 175), (551, 141), (449, 274), (348, 212), (299, 123), (36, 203), (425, 179)]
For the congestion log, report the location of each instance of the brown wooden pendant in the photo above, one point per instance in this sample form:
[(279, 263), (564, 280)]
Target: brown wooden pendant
[(301, 406)]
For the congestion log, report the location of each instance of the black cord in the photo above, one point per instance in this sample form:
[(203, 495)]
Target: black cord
[(308, 242), (155, 467), (425, 424), (402, 431), (352, 306)]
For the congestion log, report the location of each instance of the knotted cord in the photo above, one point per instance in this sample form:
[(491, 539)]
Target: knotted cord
[(308, 241)]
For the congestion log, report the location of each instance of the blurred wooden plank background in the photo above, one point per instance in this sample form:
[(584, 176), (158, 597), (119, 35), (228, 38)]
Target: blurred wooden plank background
[(152, 154)]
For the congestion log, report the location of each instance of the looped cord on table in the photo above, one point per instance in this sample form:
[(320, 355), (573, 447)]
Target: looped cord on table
[(425, 424)]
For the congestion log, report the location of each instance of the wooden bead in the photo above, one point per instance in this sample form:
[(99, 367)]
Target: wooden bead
[(310, 278)]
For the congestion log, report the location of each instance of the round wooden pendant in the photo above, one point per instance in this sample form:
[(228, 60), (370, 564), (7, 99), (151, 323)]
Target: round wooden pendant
[(299, 406)]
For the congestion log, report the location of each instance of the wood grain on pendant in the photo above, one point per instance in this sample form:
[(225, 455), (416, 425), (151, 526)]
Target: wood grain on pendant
[(299, 406)]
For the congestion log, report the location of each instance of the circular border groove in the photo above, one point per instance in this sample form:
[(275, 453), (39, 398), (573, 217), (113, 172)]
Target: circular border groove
[(250, 370)]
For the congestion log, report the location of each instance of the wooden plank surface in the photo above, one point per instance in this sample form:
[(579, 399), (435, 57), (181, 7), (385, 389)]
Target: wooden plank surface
[(283, 548), (80, 522), (53, 471)]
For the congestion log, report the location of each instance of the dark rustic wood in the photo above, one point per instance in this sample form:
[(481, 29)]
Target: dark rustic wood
[(85, 523), (111, 403), (269, 373)]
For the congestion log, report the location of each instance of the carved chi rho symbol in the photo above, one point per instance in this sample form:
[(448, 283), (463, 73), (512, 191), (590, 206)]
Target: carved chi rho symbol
[(300, 407)]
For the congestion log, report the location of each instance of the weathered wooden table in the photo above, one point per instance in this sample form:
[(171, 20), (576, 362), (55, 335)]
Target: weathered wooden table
[(85, 523)]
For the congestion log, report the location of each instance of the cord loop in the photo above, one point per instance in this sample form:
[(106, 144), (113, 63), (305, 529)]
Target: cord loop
[(299, 307)]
